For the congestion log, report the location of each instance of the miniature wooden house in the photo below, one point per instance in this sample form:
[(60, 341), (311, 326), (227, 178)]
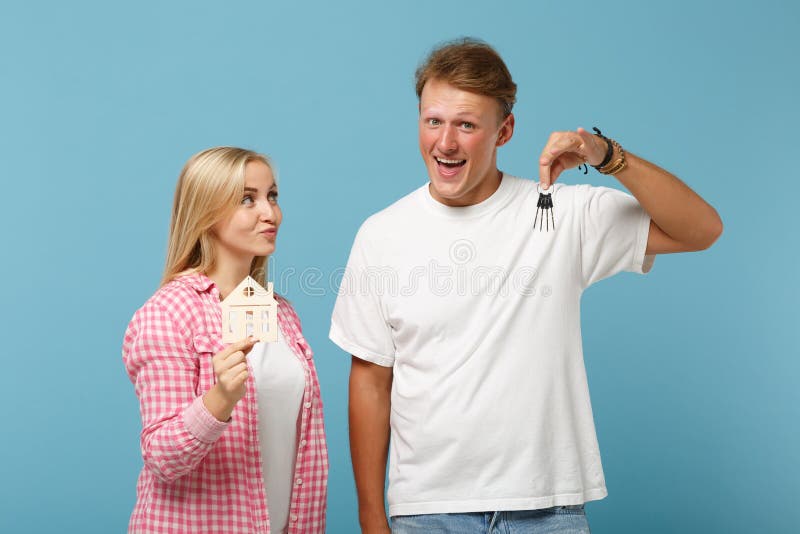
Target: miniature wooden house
[(250, 310)]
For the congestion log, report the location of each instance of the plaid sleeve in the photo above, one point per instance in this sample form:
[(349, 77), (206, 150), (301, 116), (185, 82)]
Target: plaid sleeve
[(177, 429)]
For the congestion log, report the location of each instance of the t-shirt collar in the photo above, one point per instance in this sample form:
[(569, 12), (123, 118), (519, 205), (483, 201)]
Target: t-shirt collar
[(495, 201)]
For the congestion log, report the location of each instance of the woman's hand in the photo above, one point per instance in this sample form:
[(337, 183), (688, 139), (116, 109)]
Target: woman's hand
[(230, 369)]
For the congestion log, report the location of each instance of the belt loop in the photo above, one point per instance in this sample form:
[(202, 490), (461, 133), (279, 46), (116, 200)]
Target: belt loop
[(493, 521)]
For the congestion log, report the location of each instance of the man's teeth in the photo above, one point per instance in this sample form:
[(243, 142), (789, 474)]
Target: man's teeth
[(450, 161)]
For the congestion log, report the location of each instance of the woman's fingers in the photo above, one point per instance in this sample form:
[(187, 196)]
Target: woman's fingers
[(236, 375), (243, 345), (232, 354), (230, 371), (232, 381)]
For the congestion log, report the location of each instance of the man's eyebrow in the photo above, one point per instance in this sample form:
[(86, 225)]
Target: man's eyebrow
[(464, 113)]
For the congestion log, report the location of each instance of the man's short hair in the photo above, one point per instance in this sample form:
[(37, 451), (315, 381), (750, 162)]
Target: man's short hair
[(470, 65)]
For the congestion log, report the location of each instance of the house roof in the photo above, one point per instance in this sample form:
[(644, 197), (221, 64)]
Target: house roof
[(259, 296)]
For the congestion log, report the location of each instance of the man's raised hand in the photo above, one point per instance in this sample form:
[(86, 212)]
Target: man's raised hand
[(567, 150)]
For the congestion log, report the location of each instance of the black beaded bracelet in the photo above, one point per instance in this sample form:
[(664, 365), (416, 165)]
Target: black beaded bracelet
[(609, 150)]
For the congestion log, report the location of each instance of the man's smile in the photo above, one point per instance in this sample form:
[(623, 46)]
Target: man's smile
[(450, 162)]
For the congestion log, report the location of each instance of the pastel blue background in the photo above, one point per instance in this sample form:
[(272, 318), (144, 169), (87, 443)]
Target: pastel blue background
[(693, 369)]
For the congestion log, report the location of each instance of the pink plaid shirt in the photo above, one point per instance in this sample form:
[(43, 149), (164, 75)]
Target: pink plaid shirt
[(200, 474)]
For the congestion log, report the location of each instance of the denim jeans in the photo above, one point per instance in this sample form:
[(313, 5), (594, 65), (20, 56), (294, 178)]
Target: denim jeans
[(556, 520)]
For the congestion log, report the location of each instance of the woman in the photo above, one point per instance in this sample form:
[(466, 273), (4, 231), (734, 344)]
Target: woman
[(232, 438)]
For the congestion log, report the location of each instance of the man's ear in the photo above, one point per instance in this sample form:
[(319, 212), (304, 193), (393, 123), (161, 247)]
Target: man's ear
[(506, 130)]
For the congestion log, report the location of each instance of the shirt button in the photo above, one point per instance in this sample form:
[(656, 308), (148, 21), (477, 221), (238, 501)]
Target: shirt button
[(303, 443), (307, 405), (294, 517), (298, 481)]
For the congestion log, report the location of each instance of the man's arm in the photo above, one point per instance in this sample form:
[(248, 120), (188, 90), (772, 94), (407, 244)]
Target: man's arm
[(370, 403), (680, 220)]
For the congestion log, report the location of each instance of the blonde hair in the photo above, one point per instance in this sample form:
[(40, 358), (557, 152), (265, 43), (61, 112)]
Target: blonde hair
[(209, 188)]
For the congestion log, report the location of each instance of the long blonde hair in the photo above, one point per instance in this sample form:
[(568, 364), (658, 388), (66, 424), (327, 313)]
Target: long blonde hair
[(209, 188)]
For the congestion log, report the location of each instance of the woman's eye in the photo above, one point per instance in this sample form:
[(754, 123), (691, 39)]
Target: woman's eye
[(272, 196), (247, 200)]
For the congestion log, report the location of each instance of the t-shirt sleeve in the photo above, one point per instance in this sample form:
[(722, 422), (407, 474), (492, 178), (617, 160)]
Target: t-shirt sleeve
[(614, 231), (359, 324)]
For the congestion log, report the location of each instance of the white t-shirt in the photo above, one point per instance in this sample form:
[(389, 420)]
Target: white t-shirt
[(479, 315), (280, 381)]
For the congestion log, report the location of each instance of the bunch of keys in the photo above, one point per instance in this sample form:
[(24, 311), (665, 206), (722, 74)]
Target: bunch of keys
[(545, 202), (545, 206)]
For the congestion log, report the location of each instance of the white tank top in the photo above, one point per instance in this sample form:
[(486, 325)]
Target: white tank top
[(280, 382)]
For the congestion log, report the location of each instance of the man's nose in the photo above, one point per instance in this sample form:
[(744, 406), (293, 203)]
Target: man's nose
[(447, 139)]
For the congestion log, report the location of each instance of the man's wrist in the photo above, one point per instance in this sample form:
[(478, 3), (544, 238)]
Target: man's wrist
[(617, 163), (373, 518), (369, 527)]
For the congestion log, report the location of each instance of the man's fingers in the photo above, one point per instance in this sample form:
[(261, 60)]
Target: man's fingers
[(563, 151), (567, 142), (591, 150), (559, 145), (555, 171), (586, 137), (585, 142), (544, 175)]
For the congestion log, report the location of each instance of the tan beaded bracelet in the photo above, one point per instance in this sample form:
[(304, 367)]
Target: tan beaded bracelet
[(617, 165)]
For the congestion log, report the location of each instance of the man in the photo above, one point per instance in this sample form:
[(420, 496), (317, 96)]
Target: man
[(461, 309)]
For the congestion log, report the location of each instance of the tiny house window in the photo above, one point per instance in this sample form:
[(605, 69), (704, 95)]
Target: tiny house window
[(231, 320), (248, 315), (249, 291), (249, 329)]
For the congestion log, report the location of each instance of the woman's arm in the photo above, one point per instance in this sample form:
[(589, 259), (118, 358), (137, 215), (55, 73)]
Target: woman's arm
[(178, 430)]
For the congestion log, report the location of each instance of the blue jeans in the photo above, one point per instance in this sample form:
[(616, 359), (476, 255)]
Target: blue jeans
[(556, 520)]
